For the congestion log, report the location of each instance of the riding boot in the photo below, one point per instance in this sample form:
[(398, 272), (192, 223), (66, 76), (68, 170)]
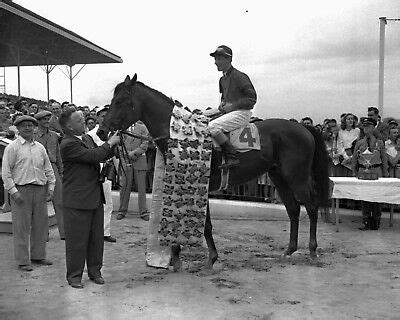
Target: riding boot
[(231, 157)]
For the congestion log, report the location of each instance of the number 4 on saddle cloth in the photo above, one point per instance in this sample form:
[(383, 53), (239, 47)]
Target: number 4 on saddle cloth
[(245, 138)]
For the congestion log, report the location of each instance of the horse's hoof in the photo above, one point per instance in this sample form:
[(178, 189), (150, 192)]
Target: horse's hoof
[(288, 252), (313, 255), (206, 272), (176, 265)]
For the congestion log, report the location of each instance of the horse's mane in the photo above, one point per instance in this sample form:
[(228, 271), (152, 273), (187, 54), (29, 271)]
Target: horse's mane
[(121, 85)]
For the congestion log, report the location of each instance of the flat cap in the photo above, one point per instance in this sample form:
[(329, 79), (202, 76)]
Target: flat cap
[(42, 114), (393, 123), (222, 51), (24, 118)]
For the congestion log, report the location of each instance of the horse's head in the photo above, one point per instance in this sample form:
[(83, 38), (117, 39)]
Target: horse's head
[(124, 109)]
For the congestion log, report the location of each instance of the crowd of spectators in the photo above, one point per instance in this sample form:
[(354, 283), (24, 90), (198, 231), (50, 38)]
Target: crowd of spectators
[(340, 135)]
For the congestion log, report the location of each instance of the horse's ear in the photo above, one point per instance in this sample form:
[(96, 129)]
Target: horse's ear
[(133, 81), (127, 81)]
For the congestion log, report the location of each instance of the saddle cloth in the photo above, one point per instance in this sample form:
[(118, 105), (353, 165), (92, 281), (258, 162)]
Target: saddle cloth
[(245, 138)]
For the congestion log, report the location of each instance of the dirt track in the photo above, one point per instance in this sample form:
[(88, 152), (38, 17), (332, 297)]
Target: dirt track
[(357, 276)]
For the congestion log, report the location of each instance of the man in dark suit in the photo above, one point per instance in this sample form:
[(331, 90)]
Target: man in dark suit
[(83, 198), (381, 130)]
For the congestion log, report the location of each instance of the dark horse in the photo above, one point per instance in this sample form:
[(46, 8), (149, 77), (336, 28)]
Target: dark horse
[(294, 156)]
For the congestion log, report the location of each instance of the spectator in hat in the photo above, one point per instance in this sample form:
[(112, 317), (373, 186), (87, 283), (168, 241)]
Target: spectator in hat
[(49, 139), (392, 123), (238, 98), (134, 169), (107, 183), (371, 148), (381, 129), (29, 179)]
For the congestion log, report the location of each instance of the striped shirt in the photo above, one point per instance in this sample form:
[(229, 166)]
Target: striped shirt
[(24, 163)]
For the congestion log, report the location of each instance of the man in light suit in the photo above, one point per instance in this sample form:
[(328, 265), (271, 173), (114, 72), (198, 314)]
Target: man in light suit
[(135, 166), (83, 198)]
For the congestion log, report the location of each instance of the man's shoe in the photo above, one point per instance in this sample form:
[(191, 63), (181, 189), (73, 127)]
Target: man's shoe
[(42, 262), (109, 239), (121, 215), (25, 267), (76, 285), (97, 280)]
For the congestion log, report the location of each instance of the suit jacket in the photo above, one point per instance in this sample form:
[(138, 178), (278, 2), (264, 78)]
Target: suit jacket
[(82, 188), (235, 87), (138, 146), (382, 131)]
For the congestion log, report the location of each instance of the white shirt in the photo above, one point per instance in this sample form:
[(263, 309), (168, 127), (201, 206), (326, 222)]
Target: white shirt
[(345, 140)]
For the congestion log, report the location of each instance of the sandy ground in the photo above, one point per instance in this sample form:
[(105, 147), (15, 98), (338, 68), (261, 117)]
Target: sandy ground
[(357, 276)]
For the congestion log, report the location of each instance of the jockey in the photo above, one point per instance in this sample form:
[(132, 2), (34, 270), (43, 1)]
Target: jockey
[(238, 97)]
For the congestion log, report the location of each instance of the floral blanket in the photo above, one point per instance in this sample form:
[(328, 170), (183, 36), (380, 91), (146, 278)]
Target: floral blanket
[(186, 177)]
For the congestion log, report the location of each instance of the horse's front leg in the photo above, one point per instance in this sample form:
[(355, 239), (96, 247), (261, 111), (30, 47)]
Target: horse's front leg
[(212, 251), (175, 262)]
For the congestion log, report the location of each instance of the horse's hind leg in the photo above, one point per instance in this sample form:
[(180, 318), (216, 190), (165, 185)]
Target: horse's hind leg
[(305, 195), (292, 208), (312, 211), (212, 250)]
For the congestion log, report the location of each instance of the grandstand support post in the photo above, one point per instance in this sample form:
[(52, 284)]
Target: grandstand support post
[(48, 68), (382, 26), (19, 81), (70, 82), (16, 54), (71, 76)]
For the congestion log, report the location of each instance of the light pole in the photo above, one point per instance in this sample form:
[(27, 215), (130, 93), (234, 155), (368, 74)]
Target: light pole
[(382, 25)]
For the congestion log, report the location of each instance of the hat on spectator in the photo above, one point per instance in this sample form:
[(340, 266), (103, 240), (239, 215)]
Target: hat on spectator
[(393, 123), (368, 120), (42, 114), (23, 118), (100, 109), (222, 51)]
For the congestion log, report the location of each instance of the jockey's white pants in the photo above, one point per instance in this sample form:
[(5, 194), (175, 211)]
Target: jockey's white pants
[(229, 122), (108, 206)]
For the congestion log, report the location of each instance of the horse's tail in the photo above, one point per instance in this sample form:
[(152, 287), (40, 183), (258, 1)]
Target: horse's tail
[(320, 168)]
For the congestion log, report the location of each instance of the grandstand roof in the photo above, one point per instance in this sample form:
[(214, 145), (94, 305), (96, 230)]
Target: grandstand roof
[(39, 41)]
